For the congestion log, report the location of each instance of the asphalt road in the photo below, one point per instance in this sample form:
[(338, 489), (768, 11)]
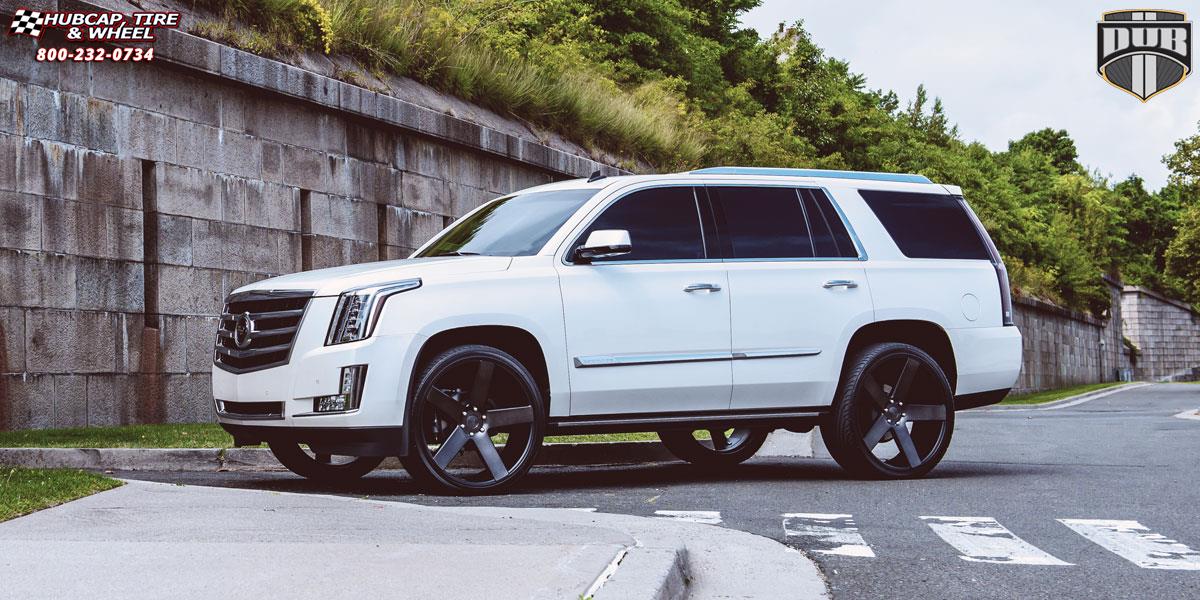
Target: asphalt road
[(1012, 474)]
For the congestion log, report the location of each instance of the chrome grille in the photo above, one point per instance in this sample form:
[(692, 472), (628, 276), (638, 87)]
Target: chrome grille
[(273, 318)]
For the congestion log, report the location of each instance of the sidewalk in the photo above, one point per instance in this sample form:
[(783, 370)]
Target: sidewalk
[(149, 540)]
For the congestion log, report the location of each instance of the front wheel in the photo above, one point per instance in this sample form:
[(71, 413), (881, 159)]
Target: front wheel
[(722, 448), (477, 421), (324, 468), (893, 415)]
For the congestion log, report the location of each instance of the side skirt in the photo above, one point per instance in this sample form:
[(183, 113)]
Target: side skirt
[(801, 418)]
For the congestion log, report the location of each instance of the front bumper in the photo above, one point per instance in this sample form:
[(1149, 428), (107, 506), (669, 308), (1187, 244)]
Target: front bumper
[(341, 441), (314, 370)]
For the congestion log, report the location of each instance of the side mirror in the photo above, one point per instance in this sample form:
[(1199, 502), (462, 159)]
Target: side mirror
[(604, 243)]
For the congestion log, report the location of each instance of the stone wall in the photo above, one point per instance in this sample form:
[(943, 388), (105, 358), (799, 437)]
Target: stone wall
[(1064, 347), (1166, 333), (134, 197)]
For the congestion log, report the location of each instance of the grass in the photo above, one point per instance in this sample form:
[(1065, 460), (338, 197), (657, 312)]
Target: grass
[(1058, 394), (420, 39), (192, 435), (23, 491)]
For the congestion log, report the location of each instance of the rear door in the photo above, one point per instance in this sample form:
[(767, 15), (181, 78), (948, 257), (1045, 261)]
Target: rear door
[(798, 291), (648, 332)]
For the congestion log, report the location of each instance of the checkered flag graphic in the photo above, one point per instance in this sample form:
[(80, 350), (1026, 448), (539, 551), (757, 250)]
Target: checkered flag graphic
[(27, 22)]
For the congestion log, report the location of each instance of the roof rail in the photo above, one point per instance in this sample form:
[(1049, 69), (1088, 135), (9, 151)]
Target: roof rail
[(827, 173)]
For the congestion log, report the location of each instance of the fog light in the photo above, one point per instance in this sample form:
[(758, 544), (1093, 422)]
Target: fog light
[(349, 392)]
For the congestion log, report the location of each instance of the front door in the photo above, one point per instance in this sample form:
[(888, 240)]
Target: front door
[(648, 332), (797, 290)]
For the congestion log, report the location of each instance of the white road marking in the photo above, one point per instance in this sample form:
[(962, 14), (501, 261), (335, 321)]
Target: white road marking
[(1189, 414), (827, 534), (1136, 543), (983, 539), (582, 509), (708, 517)]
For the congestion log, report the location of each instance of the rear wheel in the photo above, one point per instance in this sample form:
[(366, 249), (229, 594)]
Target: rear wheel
[(477, 421), (893, 415), (326, 468), (722, 448)]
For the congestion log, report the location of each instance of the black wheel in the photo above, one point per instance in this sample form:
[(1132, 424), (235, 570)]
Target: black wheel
[(475, 397), (325, 468), (893, 415), (722, 448)]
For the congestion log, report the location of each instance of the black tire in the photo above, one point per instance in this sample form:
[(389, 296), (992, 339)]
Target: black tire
[(722, 449), (459, 397), (298, 461), (890, 392)]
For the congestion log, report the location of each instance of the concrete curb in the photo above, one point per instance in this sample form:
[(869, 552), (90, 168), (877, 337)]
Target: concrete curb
[(1069, 400), (261, 459)]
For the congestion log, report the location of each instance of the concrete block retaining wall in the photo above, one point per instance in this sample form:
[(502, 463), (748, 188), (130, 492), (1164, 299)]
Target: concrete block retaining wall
[(134, 197), (1064, 347), (1166, 333)]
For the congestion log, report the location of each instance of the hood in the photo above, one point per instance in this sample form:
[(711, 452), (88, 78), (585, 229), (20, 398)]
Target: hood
[(334, 281)]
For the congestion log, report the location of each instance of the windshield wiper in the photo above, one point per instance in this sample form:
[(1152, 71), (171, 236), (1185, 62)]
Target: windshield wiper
[(457, 253)]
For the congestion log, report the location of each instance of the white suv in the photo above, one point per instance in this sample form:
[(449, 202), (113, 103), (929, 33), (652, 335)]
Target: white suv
[(711, 307)]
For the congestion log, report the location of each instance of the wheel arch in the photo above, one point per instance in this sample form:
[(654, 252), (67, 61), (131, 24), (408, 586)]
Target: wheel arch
[(926, 335), (518, 342)]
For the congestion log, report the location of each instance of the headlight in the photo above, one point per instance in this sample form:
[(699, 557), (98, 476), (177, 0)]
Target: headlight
[(358, 310)]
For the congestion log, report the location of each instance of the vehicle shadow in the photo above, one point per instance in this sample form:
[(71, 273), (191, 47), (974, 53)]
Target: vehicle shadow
[(582, 481)]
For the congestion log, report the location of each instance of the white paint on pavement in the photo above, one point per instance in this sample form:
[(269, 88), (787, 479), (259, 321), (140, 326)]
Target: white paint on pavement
[(1136, 543), (1189, 414), (583, 509), (826, 534), (983, 539), (707, 517)]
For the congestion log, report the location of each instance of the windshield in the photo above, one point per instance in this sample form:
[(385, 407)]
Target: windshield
[(514, 226)]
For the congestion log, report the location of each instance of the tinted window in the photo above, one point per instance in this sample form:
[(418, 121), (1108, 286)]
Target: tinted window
[(830, 238), (663, 224), (927, 225), (515, 226), (761, 222)]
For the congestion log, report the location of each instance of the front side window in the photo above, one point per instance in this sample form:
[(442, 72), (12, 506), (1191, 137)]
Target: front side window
[(761, 222), (663, 224), (518, 225)]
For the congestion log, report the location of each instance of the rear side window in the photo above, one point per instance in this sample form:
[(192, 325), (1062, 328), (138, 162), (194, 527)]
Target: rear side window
[(830, 238), (761, 222), (663, 224), (927, 225)]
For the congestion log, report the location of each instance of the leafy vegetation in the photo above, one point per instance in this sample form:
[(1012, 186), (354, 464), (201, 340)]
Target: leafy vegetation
[(678, 83), (23, 491)]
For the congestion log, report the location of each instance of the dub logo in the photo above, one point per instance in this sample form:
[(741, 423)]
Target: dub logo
[(1144, 52)]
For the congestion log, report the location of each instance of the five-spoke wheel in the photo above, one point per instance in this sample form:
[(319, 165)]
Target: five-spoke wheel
[(893, 415), (719, 448), (477, 420)]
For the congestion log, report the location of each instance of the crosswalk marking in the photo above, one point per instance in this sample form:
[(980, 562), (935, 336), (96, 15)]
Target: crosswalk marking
[(1136, 543), (708, 517), (827, 534), (983, 539)]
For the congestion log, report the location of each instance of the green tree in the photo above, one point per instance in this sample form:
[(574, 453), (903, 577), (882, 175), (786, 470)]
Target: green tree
[(1054, 143), (1183, 256)]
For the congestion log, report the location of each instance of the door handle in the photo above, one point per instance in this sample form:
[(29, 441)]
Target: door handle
[(702, 287), (846, 283)]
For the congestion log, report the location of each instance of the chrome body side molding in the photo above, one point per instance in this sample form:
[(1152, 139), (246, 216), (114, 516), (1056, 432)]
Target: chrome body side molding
[(625, 360)]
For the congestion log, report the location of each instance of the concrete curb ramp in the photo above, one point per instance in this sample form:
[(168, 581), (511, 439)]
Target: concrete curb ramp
[(261, 459), (150, 540)]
